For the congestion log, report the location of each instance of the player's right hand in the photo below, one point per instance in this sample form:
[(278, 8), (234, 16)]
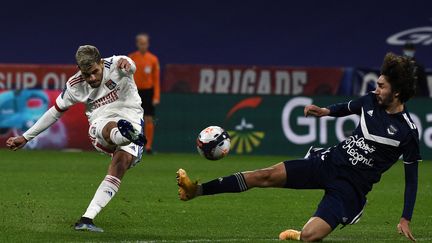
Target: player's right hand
[(404, 229), (15, 143), (313, 110), (124, 64)]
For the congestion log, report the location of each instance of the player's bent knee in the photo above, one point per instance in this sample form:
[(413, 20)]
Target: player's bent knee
[(125, 160), (315, 229), (120, 163)]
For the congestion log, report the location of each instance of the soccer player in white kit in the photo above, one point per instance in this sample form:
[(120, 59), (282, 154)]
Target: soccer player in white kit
[(113, 108)]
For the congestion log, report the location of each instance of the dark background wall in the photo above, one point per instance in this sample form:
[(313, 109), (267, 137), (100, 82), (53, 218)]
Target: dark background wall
[(305, 33)]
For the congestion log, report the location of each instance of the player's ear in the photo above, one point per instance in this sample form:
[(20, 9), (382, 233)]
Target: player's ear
[(397, 94)]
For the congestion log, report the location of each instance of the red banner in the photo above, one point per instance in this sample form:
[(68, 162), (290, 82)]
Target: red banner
[(19, 110), (18, 76), (254, 80)]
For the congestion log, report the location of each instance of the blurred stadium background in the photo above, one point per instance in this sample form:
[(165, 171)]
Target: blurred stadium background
[(248, 66)]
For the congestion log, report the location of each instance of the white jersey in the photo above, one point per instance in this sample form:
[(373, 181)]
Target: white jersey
[(117, 96)]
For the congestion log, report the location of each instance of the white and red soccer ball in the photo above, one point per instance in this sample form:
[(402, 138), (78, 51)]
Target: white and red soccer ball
[(213, 143)]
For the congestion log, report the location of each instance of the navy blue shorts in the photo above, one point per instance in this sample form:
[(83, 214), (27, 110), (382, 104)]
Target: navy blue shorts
[(341, 203)]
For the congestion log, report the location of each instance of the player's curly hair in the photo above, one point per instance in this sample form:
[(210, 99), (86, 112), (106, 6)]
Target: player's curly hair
[(86, 56), (401, 73)]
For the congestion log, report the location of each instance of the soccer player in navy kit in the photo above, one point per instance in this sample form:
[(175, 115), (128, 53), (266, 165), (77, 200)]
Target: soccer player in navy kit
[(347, 171)]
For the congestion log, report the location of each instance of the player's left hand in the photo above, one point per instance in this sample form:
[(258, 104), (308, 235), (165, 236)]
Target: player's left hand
[(156, 102), (124, 64), (403, 228), (15, 143)]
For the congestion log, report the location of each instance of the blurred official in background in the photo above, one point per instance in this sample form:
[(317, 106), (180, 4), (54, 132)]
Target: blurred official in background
[(147, 80)]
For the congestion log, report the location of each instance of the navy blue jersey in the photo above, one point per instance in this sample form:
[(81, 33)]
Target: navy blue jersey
[(378, 141)]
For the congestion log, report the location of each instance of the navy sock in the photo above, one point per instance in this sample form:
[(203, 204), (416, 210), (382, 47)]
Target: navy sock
[(232, 183)]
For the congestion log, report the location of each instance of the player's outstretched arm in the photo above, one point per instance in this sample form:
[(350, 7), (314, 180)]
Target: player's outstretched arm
[(403, 228), (411, 182), (313, 110), (46, 120), (339, 109)]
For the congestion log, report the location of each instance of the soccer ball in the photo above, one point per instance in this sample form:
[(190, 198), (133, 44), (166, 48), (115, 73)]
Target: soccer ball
[(213, 143)]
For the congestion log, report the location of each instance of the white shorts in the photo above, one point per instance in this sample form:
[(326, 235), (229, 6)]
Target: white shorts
[(95, 135)]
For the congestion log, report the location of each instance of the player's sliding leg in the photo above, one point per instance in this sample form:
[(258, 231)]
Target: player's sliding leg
[(122, 133), (121, 161), (274, 176), (314, 230)]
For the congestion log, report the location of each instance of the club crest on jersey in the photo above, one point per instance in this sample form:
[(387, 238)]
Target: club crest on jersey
[(370, 112), (110, 84), (391, 130)]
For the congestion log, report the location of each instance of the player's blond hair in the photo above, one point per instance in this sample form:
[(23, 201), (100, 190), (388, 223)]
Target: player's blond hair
[(86, 56)]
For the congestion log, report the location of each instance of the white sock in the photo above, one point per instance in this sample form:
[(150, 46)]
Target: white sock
[(117, 138), (103, 195)]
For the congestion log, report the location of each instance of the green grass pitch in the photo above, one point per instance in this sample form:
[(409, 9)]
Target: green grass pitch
[(42, 193)]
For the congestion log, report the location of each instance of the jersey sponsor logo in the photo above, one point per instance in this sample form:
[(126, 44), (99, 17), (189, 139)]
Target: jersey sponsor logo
[(107, 99), (110, 84), (356, 147)]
